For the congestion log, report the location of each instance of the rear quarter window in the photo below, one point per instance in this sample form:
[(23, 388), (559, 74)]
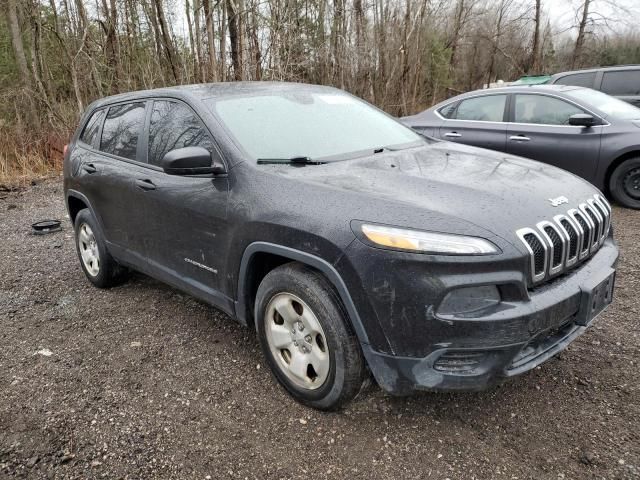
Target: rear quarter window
[(122, 129), (622, 82), (92, 129)]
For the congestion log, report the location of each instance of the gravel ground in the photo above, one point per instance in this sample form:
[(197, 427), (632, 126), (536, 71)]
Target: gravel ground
[(142, 381)]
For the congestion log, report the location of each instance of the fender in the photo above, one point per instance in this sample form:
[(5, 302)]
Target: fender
[(316, 262)]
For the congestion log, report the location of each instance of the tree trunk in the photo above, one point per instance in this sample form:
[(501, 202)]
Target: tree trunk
[(194, 53), (213, 67), (166, 40), (577, 51), (534, 60), (235, 36), (17, 43)]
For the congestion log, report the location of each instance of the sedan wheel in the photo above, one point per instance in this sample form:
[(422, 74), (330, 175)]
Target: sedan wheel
[(631, 183)]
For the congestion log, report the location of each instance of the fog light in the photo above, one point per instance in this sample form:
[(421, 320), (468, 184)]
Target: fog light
[(459, 362), (469, 299)]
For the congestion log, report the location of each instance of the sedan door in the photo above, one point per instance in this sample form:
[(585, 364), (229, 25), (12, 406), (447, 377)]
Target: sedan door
[(541, 131), (477, 121)]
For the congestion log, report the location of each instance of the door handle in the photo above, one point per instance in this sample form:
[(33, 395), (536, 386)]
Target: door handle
[(452, 134), (145, 184), (89, 167), (519, 138)]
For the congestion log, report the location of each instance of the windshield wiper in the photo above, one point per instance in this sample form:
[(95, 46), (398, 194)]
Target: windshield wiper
[(291, 161)]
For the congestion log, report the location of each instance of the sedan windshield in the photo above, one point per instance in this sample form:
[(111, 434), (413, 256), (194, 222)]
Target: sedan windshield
[(314, 125), (608, 105)]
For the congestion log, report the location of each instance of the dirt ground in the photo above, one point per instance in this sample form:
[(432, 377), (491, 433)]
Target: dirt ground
[(142, 381)]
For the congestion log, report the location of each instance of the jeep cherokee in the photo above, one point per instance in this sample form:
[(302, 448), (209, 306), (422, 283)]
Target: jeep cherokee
[(353, 245)]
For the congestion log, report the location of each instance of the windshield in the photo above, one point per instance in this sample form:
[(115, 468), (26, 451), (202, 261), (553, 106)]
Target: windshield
[(316, 125), (609, 105)]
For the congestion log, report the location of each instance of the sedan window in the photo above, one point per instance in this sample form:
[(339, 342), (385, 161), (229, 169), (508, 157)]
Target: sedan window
[(489, 108), (122, 129), (543, 110)]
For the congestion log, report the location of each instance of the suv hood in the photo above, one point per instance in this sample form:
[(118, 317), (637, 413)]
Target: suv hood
[(497, 192)]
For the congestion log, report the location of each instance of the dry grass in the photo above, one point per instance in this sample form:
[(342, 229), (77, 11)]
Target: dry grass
[(21, 163)]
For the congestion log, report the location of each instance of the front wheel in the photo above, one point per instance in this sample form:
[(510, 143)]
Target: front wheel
[(307, 339), (624, 183)]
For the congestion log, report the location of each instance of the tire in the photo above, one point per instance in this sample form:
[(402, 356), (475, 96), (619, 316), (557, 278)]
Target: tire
[(335, 368), (624, 183), (96, 262)]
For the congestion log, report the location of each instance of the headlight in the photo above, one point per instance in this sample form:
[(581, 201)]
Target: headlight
[(427, 242)]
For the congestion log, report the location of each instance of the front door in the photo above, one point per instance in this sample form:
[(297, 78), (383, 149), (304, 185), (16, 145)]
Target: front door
[(185, 222), (541, 131)]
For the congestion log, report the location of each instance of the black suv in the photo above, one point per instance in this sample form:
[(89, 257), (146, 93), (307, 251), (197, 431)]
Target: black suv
[(621, 81), (353, 245)]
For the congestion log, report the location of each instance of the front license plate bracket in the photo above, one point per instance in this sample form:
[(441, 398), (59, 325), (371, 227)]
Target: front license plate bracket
[(596, 299)]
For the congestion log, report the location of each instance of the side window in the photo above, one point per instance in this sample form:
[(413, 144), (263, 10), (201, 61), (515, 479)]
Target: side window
[(173, 125), (92, 128), (448, 110), (544, 110), (621, 82), (122, 128), (489, 108), (578, 79)]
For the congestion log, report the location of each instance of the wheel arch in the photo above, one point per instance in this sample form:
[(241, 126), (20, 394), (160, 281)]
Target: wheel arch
[(259, 258), (76, 201)]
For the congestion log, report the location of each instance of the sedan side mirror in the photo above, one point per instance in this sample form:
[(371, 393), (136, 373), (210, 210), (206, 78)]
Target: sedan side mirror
[(583, 120), (190, 161)]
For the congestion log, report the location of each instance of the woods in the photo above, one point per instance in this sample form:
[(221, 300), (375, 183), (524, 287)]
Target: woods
[(402, 55)]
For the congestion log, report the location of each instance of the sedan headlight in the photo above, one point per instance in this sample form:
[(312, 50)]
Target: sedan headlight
[(427, 242)]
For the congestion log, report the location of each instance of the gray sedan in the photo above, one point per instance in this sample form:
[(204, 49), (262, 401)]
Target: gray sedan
[(581, 130)]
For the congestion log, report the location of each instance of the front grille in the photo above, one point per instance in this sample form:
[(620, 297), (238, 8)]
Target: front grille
[(555, 245), (538, 252)]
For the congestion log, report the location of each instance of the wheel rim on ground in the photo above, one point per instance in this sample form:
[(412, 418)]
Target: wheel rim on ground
[(631, 183), (89, 250), (297, 342)]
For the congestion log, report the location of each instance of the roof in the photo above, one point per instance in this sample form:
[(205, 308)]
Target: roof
[(519, 88), (597, 69), (203, 91)]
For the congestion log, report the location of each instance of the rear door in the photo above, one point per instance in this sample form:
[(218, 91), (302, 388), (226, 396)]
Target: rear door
[(540, 130), (477, 121), (185, 217), (108, 169), (623, 84)]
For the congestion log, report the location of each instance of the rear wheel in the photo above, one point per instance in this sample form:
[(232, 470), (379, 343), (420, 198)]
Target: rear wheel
[(624, 183), (99, 267), (307, 339)]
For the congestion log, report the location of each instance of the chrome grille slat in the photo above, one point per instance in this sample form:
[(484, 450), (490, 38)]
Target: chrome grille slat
[(571, 237)]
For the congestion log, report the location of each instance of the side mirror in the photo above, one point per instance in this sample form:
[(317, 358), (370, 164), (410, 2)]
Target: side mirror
[(190, 161), (583, 120)]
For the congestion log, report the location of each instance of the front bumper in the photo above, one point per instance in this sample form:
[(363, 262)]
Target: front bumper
[(476, 353)]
